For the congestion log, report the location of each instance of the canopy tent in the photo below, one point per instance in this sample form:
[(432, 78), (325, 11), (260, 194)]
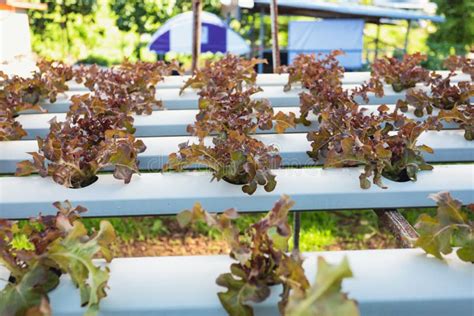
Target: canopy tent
[(342, 10), (176, 36), (326, 35), (322, 9)]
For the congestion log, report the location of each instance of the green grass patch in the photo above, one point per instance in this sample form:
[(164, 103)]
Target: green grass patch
[(320, 230)]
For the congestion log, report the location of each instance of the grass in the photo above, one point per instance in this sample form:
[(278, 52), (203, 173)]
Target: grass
[(320, 230)]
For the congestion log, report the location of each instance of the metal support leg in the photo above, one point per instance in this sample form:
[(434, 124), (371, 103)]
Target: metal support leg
[(405, 48), (398, 226), (296, 230), (377, 42), (275, 45)]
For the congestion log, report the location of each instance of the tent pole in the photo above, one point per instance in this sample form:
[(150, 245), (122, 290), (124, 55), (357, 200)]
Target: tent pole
[(405, 48), (196, 51), (275, 46), (262, 38)]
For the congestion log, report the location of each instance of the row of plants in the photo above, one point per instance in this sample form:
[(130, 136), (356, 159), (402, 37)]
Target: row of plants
[(98, 132), (39, 252), (229, 115), (19, 94), (384, 142)]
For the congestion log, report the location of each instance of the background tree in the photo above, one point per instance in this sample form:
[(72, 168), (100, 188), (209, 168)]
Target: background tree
[(64, 22), (455, 35)]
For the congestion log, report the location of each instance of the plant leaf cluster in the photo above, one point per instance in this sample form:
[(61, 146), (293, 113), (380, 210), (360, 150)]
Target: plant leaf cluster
[(465, 64), (229, 114), (98, 131), (260, 252), (384, 143), (93, 137), (262, 261), (454, 100), (233, 157), (325, 296), (401, 74), (56, 245), (321, 76), (449, 228), (19, 94), (131, 84)]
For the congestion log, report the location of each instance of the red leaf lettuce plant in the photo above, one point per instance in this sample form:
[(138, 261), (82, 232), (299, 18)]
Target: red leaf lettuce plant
[(225, 88), (466, 65), (260, 252), (133, 85), (233, 157), (402, 74), (229, 114), (384, 143), (94, 136), (452, 99), (322, 77), (37, 253), (19, 94)]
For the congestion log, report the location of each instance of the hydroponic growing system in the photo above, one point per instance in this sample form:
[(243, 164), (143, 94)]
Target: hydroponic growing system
[(132, 140)]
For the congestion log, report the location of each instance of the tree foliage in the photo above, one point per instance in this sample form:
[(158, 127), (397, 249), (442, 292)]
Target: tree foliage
[(455, 35), (64, 22)]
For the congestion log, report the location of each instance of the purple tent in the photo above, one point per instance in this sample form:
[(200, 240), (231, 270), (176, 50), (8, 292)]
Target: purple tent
[(176, 36)]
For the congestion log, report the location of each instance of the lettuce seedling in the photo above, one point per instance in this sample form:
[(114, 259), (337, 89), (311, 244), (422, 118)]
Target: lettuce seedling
[(312, 71), (464, 116), (11, 103), (45, 83), (444, 95), (10, 129), (92, 138), (449, 228), (465, 64), (322, 77), (234, 157), (260, 252), (133, 84), (19, 94), (225, 88), (52, 246), (384, 143), (402, 74)]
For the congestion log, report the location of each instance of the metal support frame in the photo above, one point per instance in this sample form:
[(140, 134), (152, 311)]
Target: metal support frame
[(275, 46), (262, 39), (196, 49), (405, 47), (392, 220)]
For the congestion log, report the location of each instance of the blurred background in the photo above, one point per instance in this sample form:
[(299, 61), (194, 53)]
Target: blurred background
[(107, 31)]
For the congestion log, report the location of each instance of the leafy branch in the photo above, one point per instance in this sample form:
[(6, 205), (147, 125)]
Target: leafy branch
[(56, 245)]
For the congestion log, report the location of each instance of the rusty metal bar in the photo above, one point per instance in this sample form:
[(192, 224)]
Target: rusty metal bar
[(393, 221), (275, 46)]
